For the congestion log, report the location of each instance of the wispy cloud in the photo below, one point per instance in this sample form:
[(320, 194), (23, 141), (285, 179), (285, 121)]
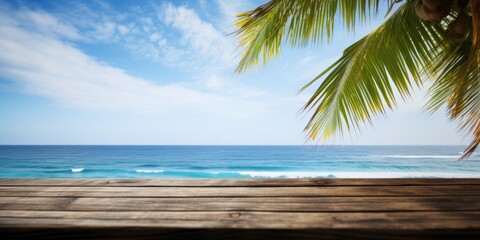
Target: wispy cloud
[(176, 36), (198, 36), (39, 22), (230, 8), (41, 63)]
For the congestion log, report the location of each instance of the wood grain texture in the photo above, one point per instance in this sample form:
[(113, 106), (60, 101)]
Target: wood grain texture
[(284, 204), (317, 191), (248, 220), (239, 209), (250, 182)]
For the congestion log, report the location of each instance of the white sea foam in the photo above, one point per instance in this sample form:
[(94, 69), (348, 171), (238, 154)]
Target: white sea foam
[(421, 156), (76, 170), (473, 154), (359, 174), (148, 171)]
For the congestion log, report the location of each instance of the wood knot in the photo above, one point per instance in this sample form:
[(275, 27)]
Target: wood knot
[(235, 215)]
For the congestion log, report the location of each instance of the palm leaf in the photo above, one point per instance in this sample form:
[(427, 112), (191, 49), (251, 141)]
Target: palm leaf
[(263, 30), (456, 70), (363, 83)]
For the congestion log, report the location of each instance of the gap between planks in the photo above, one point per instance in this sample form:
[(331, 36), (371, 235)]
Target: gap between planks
[(236, 182), (335, 204), (244, 220), (100, 191)]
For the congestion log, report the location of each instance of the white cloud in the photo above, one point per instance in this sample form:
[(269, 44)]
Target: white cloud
[(39, 22), (214, 82), (309, 67), (123, 30), (43, 65), (105, 31), (230, 87), (175, 36), (230, 8), (200, 37)]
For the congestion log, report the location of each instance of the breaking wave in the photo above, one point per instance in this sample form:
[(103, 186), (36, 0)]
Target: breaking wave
[(148, 171)]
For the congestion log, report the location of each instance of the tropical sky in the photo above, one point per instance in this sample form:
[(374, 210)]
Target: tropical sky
[(162, 72)]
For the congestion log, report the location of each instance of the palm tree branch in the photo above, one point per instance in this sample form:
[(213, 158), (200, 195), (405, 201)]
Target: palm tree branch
[(456, 70), (263, 30), (363, 82)]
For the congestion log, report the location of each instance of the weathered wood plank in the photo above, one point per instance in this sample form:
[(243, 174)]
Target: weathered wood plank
[(381, 199), (301, 204), (251, 182), (244, 220), (402, 191), (403, 207)]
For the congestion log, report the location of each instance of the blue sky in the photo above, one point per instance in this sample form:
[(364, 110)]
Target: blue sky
[(160, 72)]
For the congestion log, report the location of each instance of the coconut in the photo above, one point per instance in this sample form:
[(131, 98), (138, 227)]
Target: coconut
[(462, 3), (437, 5), (432, 10)]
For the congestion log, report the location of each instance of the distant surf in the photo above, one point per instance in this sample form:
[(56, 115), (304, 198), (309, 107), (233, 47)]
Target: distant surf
[(148, 171), (421, 156), (358, 175), (236, 162)]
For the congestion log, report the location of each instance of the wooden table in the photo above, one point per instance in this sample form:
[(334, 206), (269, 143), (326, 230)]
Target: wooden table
[(239, 208)]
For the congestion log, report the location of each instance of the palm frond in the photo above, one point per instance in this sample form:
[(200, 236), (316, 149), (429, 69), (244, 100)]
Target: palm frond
[(263, 30), (364, 81), (457, 73)]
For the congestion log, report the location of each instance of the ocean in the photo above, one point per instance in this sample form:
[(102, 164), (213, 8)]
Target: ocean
[(236, 162)]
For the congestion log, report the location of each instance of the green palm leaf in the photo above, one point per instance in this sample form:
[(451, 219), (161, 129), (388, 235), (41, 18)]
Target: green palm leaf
[(457, 71), (299, 22), (365, 81)]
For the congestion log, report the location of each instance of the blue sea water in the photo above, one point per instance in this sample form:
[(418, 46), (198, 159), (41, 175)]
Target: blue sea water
[(235, 161)]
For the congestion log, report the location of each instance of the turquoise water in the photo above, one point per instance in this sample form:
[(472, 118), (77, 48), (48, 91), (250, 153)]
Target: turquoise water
[(235, 161)]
